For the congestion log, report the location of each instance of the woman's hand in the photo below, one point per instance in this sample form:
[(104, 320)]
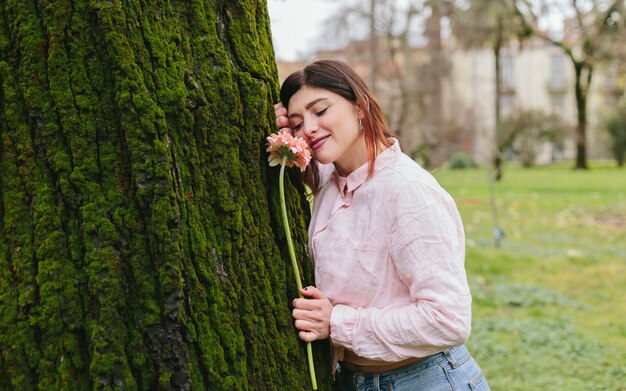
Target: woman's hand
[(312, 315), (282, 122)]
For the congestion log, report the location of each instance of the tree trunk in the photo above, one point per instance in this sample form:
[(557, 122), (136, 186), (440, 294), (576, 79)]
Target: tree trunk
[(581, 107), (140, 244), (497, 154), (436, 135), (373, 46)]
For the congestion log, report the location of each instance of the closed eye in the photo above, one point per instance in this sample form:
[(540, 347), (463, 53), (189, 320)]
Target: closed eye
[(297, 126), (321, 112)]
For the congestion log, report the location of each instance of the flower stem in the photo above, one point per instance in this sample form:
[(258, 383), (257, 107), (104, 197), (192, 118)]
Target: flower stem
[(294, 263)]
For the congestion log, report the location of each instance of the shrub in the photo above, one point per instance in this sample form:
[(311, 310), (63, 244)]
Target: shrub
[(615, 125), (461, 160), (524, 132)]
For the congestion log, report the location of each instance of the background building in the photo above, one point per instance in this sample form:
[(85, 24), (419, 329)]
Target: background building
[(536, 76)]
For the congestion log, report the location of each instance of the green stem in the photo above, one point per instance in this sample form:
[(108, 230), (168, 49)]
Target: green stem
[(294, 264)]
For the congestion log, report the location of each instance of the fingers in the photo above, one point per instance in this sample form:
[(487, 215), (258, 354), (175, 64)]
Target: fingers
[(312, 315), (279, 108), (282, 122), (312, 292), (280, 112), (305, 325), (312, 302), (308, 336), (309, 331), (307, 305)]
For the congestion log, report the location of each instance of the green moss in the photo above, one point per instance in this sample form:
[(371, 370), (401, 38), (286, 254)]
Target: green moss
[(138, 214)]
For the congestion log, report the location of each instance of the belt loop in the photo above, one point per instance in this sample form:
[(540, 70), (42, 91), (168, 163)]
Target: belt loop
[(376, 381), (450, 359)]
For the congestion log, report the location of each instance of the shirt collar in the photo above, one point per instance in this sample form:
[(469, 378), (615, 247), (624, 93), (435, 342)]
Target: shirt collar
[(356, 178)]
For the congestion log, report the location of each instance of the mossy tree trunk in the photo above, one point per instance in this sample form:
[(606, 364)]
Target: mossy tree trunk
[(140, 244)]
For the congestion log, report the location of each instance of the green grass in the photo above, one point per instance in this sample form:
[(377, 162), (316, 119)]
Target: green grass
[(549, 303)]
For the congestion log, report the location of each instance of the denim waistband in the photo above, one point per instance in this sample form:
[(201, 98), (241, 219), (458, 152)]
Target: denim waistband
[(455, 356)]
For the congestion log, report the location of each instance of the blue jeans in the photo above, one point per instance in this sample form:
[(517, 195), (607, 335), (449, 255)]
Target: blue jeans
[(450, 370)]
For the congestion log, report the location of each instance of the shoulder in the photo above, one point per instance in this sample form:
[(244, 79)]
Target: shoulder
[(408, 183), (405, 172)]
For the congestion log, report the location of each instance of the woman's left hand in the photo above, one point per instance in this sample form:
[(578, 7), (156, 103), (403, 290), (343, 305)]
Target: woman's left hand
[(312, 314)]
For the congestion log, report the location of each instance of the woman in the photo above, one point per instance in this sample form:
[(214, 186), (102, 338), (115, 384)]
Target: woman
[(387, 241)]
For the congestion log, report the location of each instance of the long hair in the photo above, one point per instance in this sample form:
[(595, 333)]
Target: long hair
[(340, 78)]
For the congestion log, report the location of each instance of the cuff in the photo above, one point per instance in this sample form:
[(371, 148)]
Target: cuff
[(342, 323)]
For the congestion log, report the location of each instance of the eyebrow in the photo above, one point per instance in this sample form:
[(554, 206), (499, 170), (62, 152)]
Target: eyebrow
[(308, 106)]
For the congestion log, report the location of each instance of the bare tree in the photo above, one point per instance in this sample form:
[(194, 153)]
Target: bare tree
[(403, 93), (588, 40), (377, 41), (478, 23), (373, 45), (406, 64)]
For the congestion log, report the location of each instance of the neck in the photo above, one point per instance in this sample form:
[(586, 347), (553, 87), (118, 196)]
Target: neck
[(350, 163)]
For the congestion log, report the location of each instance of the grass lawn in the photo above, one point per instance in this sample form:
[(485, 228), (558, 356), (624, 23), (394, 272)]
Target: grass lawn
[(549, 303)]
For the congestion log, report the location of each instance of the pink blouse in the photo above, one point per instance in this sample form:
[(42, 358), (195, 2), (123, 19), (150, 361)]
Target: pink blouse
[(389, 254)]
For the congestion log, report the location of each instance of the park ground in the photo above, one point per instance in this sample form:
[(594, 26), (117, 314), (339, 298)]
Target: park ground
[(549, 304)]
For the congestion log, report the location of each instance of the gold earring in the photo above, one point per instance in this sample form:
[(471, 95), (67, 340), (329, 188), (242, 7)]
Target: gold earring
[(360, 123)]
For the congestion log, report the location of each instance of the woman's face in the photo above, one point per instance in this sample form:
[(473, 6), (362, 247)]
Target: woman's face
[(330, 124)]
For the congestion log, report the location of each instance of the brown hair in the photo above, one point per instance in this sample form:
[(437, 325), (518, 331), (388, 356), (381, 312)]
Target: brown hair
[(338, 77)]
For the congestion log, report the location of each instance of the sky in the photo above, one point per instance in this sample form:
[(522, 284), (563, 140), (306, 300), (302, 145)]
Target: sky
[(296, 24)]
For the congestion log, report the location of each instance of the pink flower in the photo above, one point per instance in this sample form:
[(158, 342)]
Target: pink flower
[(283, 144), (288, 151)]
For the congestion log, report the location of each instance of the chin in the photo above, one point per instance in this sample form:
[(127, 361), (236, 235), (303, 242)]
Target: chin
[(324, 160)]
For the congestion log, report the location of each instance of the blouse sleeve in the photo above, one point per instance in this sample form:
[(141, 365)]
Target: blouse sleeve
[(428, 250)]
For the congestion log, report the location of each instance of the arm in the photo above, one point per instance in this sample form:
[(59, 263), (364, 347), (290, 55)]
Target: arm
[(427, 249)]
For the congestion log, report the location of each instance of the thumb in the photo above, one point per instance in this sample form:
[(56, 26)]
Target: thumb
[(312, 292)]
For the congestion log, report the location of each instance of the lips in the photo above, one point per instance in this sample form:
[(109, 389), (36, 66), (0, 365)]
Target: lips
[(318, 142)]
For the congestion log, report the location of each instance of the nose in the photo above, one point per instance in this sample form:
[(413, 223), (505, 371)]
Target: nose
[(310, 127)]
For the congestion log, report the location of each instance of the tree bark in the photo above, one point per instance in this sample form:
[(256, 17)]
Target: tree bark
[(581, 89), (497, 153), (140, 241), (432, 82)]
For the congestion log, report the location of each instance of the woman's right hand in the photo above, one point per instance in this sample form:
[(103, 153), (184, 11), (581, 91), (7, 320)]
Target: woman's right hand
[(282, 122)]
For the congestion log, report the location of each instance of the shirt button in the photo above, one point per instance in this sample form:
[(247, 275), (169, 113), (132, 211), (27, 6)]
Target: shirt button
[(359, 378)]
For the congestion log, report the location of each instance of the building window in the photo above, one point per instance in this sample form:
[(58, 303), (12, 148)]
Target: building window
[(557, 73), (507, 105), (507, 72), (558, 103)]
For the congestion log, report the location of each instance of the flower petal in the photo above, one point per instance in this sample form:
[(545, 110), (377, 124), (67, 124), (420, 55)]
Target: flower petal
[(295, 149)]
